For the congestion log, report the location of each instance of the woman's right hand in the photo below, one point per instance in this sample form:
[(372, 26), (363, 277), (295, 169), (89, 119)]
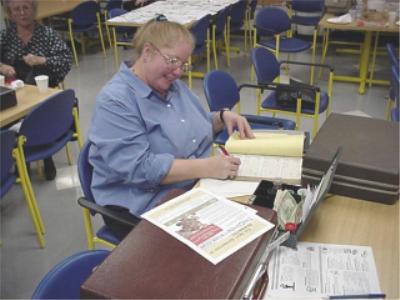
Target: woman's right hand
[(7, 70), (223, 166)]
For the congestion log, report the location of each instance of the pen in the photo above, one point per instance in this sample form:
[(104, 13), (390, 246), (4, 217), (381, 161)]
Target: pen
[(360, 296), (223, 150)]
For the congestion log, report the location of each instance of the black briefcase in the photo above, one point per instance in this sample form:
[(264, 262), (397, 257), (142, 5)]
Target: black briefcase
[(7, 98)]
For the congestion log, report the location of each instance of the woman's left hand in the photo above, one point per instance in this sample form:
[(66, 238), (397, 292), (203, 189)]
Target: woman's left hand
[(34, 60), (234, 121)]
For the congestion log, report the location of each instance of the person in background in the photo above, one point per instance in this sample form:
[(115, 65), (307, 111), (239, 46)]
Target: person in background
[(149, 132), (29, 49), (133, 4)]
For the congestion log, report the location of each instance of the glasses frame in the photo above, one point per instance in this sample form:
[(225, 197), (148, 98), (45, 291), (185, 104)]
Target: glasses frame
[(175, 62)]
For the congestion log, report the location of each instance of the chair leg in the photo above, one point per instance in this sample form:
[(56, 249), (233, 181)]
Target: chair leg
[(78, 134), (227, 45), (208, 50), (388, 109), (314, 46), (71, 38), (315, 126), (101, 34), (88, 228), (214, 47), (69, 154), (324, 50), (371, 74), (116, 53), (31, 202)]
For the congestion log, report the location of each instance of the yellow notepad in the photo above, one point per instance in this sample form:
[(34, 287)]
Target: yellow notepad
[(272, 155)]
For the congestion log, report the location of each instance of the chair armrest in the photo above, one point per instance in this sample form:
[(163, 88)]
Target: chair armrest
[(307, 64), (264, 120), (104, 211), (274, 86)]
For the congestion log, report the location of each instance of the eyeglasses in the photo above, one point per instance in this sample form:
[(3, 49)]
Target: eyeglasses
[(174, 61), (21, 9)]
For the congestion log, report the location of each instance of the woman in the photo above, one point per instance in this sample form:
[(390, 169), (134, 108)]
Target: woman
[(29, 49), (149, 132)]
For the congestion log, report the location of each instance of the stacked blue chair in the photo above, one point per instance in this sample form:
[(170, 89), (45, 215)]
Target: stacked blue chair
[(275, 24), (237, 21), (9, 157), (267, 69), (64, 280), (122, 35), (109, 5), (201, 33), (90, 207), (219, 34), (394, 65), (222, 91), (85, 17)]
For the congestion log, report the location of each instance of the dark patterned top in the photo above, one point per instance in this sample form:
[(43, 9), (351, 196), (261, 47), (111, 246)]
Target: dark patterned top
[(45, 42)]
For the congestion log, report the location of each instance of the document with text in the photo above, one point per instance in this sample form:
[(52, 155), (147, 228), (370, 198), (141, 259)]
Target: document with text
[(321, 270), (212, 226)]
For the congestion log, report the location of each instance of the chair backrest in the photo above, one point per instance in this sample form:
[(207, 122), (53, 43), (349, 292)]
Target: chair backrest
[(221, 90), (50, 120), (64, 280), (266, 66), (272, 20), (84, 14), (85, 171), (252, 6), (111, 4), (238, 13), (220, 20), (7, 144), (308, 6), (199, 31), (115, 12)]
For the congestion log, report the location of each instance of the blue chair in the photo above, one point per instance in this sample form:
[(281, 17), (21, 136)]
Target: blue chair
[(122, 35), (107, 6), (219, 34), (47, 129), (236, 22), (275, 24), (201, 33), (395, 86), (84, 18), (64, 280), (267, 69), (222, 92), (9, 157), (90, 207), (394, 64), (250, 14), (308, 13)]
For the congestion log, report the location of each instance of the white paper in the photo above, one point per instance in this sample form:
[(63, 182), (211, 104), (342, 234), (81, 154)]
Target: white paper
[(229, 188), (320, 270), (211, 225)]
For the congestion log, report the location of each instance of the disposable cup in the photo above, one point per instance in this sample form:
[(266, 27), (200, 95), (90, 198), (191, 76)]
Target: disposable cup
[(353, 14), (42, 83), (2, 80)]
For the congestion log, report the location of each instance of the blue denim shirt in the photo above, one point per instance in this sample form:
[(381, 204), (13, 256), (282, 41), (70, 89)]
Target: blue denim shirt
[(136, 135)]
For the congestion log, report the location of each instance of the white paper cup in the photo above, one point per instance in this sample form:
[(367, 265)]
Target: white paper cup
[(42, 82), (2, 80)]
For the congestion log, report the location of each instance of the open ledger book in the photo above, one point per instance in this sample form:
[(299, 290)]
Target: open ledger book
[(275, 155)]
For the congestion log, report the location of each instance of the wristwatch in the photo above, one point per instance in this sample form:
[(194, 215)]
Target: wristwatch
[(221, 114)]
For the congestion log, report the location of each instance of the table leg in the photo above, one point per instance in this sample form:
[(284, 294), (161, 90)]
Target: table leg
[(364, 61)]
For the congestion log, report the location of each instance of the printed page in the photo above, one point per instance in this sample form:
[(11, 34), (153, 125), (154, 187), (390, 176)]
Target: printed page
[(228, 188), (272, 142), (211, 225), (321, 270), (274, 168)]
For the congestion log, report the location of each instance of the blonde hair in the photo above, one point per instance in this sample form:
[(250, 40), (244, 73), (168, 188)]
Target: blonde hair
[(161, 34), (8, 10)]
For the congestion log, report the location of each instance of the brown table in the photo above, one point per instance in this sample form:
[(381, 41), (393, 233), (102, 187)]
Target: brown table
[(27, 98), (368, 29), (338, 220), (49, 8)]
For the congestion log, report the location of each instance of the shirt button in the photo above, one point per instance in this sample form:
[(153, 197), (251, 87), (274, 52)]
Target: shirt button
[(168, 105), (183, 120), (194, 141)]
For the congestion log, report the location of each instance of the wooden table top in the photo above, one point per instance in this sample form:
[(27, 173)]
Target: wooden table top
[(357, 25), (27, 98), (49, 8)]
